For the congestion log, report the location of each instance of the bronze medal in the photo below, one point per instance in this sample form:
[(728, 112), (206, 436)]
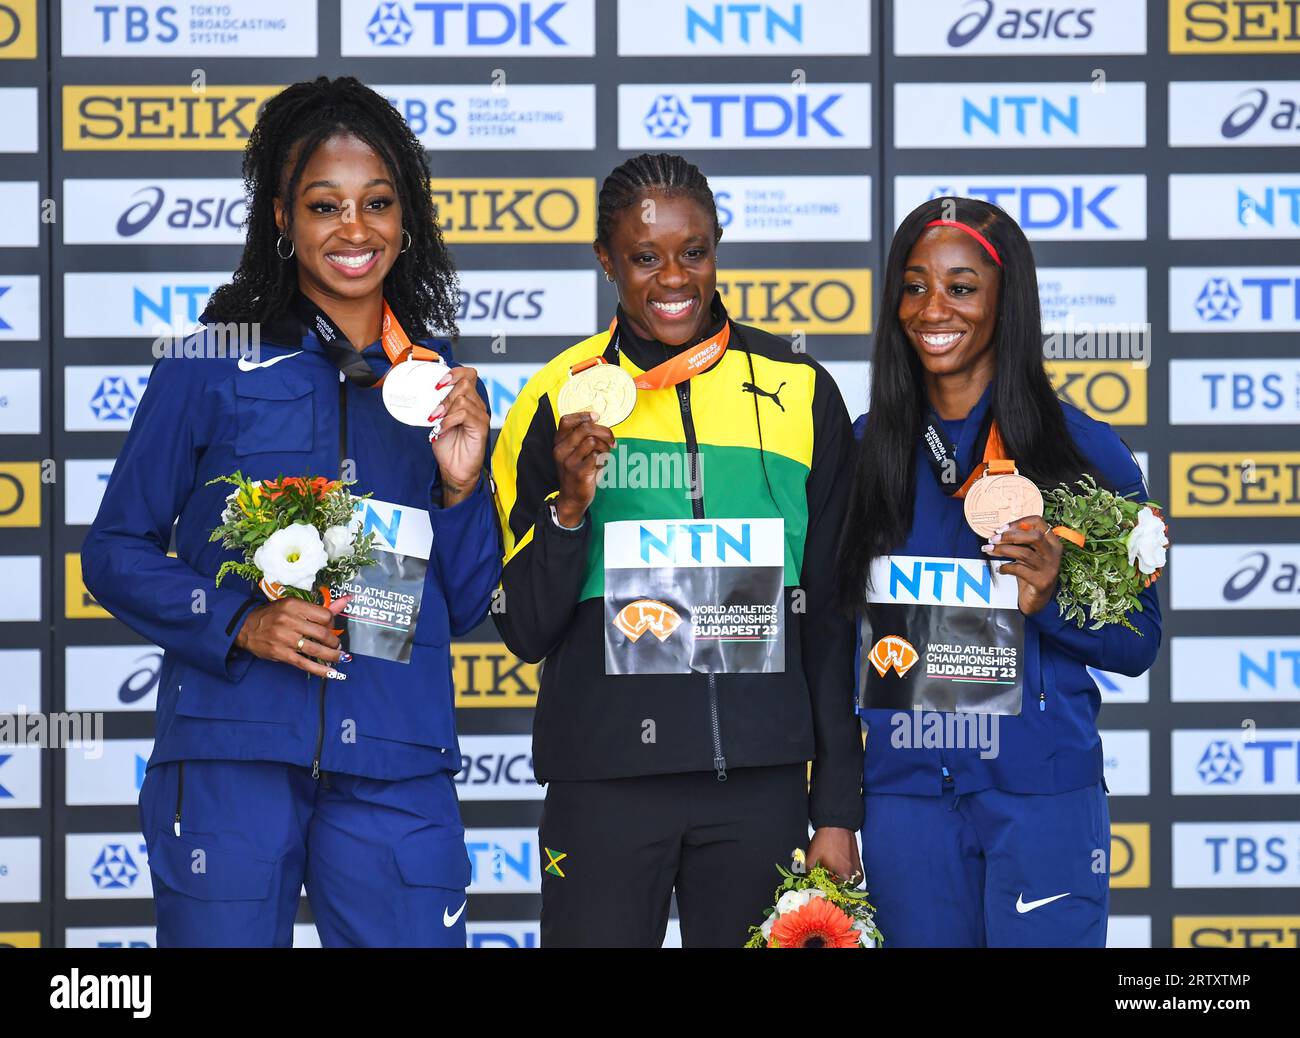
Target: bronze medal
[(999, 497)]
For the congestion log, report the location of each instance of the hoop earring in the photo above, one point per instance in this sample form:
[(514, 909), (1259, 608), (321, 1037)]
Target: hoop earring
[(292, 248), (407, 235), (609, 277)]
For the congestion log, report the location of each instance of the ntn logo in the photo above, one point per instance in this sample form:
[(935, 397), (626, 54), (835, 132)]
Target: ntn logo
[(1272, 666), (975, 578), (732, 539), (189, 299), (497, 860), (1021, 107), (769, 19), (1252, 208)]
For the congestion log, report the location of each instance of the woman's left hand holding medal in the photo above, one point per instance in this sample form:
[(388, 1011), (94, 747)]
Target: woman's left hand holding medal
[(1035, 554), (460, 443)]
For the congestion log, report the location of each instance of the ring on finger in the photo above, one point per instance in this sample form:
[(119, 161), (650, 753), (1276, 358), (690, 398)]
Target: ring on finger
[(301, 642)]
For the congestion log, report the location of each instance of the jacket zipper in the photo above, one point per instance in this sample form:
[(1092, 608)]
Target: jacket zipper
[(343, 451), (697, 510), (180, 796)]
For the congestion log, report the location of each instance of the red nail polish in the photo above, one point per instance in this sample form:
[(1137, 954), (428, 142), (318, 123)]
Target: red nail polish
[(445, 382)]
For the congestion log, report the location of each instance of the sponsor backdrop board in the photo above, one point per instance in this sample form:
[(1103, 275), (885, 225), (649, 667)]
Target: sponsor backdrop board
[(1142, 143)]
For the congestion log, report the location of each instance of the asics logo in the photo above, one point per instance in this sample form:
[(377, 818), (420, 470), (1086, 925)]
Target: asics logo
[(247, 365)]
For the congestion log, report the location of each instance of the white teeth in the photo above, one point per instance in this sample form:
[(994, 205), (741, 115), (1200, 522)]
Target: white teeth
[(945, 339), (352, 261), (672, 308)]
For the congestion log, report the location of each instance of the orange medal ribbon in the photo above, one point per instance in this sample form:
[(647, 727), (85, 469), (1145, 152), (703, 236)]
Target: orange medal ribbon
[(676, 369), (994, 464), (398, 345)]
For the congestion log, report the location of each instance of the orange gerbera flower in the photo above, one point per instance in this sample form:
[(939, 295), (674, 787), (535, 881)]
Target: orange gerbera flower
[(819, 924)]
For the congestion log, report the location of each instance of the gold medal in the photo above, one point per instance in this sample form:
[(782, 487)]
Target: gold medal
[(606, 390), (1000, 496)]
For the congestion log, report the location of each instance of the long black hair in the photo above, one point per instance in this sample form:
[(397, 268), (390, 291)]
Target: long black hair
[(1026, 408), (421, 287)]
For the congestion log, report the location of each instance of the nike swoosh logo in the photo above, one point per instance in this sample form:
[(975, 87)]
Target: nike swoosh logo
[(1023, 906), (450, 920), (247, 365)]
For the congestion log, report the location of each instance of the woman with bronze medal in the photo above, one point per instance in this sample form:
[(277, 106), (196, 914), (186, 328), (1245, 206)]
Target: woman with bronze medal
[(299, 743), (670, 491), (986, 820)]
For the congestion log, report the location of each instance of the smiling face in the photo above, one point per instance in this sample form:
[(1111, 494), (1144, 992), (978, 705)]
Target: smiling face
[(949, 304), (664, 262), (347, 222)]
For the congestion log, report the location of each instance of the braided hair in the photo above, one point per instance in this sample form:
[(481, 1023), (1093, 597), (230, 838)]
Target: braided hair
[(421, 287), (637, 177)]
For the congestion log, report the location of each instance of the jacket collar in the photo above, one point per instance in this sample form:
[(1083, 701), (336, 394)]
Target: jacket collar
[(646, 353)]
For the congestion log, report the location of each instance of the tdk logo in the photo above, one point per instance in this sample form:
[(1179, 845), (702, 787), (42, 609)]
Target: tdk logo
[(114, 869), (1218, 301), (1273, 299), (114, 400), (731, 23), (1045, 208), (1016, 112), (1022, 23), (1219, 764), (474, 24), (758, 115)]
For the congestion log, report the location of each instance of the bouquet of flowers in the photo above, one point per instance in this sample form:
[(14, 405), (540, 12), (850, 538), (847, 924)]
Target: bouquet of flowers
[(814, 910), (1115, 547), (299, 536)]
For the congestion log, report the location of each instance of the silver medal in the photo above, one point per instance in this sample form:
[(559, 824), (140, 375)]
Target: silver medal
[(410, 394)]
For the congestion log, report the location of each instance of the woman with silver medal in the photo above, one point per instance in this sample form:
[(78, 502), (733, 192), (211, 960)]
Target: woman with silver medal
[(268, 766)]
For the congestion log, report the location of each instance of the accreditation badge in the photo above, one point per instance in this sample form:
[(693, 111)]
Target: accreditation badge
[(941, 634), (385, 605), (695, 596)]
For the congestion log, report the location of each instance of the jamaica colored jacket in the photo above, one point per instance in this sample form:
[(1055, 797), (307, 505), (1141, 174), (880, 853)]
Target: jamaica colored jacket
[(290, 413), (772, 438)]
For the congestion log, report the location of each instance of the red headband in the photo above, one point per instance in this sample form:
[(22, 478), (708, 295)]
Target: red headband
[(988, 247)]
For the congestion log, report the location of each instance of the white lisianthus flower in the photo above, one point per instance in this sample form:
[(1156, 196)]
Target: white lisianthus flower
[(292, 557), (1147, 542), (793, 900), (338, 542)]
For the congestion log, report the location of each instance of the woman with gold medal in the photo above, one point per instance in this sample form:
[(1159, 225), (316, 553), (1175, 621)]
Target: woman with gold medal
[(670, 491), (1003, 841)]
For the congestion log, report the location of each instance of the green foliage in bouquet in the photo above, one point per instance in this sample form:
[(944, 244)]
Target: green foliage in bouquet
[(258, 510), (844, 896), (1097, 583)]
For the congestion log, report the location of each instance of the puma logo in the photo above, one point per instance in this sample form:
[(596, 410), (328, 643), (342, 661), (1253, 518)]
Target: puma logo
[(773, 395)]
